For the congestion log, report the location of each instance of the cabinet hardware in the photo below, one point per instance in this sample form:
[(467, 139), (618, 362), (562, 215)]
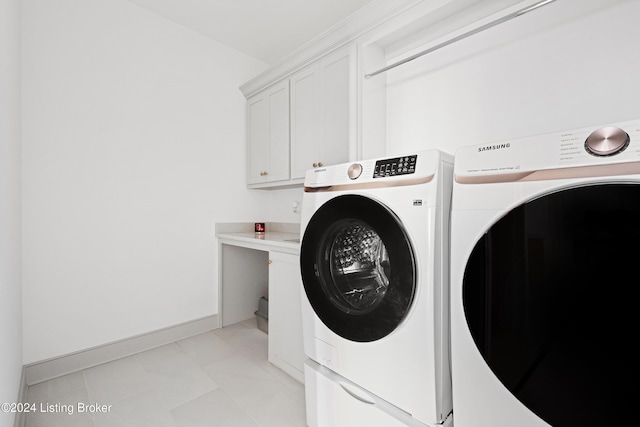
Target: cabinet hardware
[(319, 164), (269, 262)]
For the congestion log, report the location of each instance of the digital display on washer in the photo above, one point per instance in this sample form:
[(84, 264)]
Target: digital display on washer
[(398, 166)]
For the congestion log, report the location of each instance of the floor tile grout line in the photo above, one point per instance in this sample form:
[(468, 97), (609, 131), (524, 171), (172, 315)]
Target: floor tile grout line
[(244, 411), (244, 327), (218, 386), (195, 364), (276, 377), (259, 366)]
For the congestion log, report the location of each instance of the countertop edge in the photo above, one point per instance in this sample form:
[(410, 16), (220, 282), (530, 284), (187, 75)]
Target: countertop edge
[(276, 241)]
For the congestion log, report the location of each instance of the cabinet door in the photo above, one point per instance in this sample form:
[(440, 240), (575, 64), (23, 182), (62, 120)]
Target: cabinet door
[(305, 120), (278, 168), (268, 135), (285, 318), (337, 80), (323, 112), (258, 138)]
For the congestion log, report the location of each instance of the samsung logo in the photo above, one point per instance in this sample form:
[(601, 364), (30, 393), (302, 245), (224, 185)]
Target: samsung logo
[(493, 147), (319, 170)]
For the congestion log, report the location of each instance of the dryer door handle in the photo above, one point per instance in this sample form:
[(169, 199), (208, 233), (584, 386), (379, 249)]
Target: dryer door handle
[(357, 393)]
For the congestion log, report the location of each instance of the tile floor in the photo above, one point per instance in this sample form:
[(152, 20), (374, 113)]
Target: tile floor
[(219, 378)]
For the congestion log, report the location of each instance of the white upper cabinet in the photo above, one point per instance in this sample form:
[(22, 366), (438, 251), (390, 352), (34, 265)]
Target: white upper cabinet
[(337, 108), (268, 135), (304, 121), (323, 112)]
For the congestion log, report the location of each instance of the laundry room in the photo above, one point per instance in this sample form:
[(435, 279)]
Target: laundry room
[(170, 167)]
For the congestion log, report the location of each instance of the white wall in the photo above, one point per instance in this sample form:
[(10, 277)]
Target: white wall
[(281, 205), (10, 252), (134, 147), (570, 64)]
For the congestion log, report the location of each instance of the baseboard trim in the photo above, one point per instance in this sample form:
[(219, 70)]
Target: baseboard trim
[(66, 364)]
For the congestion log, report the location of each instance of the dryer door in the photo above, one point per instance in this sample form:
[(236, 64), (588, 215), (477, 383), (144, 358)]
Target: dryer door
[(358, 268), (549, 295)]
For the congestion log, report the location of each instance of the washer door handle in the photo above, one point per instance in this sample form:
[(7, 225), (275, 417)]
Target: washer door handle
[(357, 393)]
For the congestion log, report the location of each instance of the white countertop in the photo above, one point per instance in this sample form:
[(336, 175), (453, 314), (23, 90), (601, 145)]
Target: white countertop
[(282, 241)]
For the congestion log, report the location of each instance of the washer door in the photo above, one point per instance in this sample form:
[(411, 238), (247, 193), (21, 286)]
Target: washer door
[(549, 295), (358, 268)]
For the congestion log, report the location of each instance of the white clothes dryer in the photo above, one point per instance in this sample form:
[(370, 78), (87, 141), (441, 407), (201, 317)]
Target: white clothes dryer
[(544, 256), (374, 264)]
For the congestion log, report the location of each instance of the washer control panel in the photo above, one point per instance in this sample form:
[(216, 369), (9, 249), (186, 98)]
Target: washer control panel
[(396, 166), (612, 144)]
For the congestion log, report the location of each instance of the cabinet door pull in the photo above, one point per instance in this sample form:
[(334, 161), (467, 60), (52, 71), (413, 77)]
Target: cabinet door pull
[(315, 165), (319, 164), (269, 262)]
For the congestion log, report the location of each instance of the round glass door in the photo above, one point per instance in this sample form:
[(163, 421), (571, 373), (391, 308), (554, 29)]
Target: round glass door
[(358, 268), (549, 295)]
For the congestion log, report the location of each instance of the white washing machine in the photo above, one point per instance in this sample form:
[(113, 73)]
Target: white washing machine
[(544, 268), (374, 263)]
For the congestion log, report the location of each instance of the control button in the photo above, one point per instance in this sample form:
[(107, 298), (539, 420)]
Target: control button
[(386, 168), (354, 171), (606, 141)]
